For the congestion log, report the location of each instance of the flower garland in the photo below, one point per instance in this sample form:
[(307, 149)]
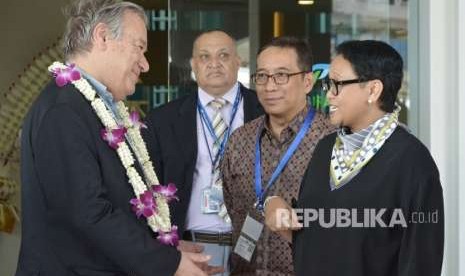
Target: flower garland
[(151, 199)]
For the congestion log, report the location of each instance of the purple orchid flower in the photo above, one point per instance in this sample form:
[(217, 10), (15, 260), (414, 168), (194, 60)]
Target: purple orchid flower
[(114, 136), (169, 191), (145, 205), (169, 238), (66, 75), (134, 117)]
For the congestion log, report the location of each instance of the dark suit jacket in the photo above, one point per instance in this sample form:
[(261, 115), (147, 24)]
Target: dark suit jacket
[(171, 137), (76, 215)]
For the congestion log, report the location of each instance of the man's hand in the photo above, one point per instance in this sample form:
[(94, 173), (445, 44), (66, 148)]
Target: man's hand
[(212, 270), (191, 264), (192, 247), (188, 246), (281, 218)]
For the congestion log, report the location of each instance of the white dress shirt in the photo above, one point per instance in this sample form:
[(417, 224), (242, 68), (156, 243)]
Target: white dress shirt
[(196, 220)]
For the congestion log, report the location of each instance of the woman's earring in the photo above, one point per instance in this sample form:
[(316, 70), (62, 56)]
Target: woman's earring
[(369, 101)]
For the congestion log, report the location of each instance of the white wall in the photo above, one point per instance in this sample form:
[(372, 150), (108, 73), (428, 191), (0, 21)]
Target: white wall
[(441, 97), (461, 126), (9, 249)]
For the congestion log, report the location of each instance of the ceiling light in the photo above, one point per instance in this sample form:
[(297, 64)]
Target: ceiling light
[(306, 2)]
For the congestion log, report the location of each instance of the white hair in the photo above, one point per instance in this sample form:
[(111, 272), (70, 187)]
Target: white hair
[(84, 15)]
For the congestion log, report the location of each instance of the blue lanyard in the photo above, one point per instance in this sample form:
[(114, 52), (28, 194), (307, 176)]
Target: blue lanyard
[(205, 120), (282, 163)]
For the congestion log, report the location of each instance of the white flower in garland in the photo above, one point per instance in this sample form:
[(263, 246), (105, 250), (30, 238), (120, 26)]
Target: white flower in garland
[(151, 198), (136, 181), (125, 155), (100, 108)]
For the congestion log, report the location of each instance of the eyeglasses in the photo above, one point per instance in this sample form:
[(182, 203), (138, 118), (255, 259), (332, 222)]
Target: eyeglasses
[(278, 78), (328, 84)]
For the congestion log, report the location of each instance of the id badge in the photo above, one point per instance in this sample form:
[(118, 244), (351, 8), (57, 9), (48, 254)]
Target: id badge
[(250, 233), (217, 193), (209, 204)]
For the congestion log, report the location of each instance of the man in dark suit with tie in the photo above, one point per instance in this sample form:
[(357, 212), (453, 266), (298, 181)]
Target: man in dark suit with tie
[(76, 211), (186, 138)]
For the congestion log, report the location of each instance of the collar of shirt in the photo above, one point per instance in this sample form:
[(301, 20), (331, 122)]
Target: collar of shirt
[(353, 141), (230, 96), (290, 131), (101, 90)]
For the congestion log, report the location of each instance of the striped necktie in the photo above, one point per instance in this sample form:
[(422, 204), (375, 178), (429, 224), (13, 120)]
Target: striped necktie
[(220, 128), (219, 125)]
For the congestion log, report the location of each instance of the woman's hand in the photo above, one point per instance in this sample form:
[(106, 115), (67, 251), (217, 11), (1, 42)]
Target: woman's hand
[(280, 217)]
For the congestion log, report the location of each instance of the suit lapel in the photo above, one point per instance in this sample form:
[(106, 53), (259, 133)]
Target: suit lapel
[(252, 108), (185, 127)]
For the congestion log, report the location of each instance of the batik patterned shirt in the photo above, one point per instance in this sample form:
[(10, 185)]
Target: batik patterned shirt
[(273, 253)]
